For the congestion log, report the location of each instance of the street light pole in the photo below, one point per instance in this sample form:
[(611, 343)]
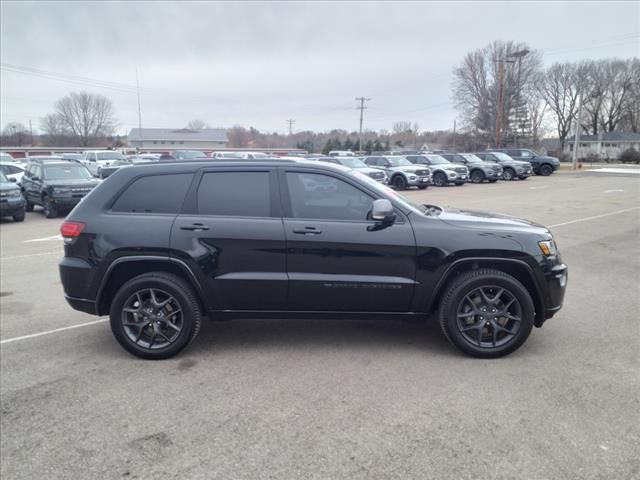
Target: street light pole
[(576, 141), (519, 54)]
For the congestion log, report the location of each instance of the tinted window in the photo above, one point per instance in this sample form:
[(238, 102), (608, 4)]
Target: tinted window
[(239, 194), (66, 172), (154, 194), (324, 197)]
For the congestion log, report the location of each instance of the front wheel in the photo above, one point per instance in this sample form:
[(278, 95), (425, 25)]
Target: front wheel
[(422, 187), (399, 182), (508, 174), (155, 315), (493, 180), (477, 176), (546, 170), (50, 210), (439, 179), (486, 313), (29, 206), (19, 217)]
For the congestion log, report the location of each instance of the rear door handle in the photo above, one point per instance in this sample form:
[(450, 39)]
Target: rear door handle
[(196, 227), (307, 231)]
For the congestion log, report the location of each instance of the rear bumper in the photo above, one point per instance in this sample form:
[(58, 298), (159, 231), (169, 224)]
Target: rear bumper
[(82, 304), (76, 275)]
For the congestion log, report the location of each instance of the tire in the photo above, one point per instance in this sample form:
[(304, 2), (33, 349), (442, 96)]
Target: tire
[(476, 176), (462, 322), (399, 182), (523, 177), (422, 187), (49, 210), (545, 170), (493, 180), (19, 217), (459, 183), (439, 179), (508, 174), (165, 285), (29, 206)]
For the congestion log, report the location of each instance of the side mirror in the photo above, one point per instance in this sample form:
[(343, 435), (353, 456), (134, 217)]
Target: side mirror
[(13, 180), (382, 211)]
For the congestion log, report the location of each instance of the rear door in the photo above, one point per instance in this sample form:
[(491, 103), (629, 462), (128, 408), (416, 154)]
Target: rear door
[(338, 259), (230, 231)]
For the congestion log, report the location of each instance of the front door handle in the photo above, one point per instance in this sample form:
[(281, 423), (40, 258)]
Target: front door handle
[(196, 227), (307, 231)]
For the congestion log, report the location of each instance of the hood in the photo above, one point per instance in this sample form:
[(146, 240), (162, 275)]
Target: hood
[(83, 182), (494, 221), (8, 186), (445, 166), (516, 163), (489, 165), (369, 170), (409, 168), (550, 159)]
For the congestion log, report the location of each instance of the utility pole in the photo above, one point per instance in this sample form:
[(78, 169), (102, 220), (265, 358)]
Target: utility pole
[(519, 54), (454, 134), (499, 106), (291, 122), (361, 108), (139, 110), (31, 132), (576, 141)]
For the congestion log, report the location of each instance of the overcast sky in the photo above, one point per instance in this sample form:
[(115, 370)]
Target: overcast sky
[(259, 64)]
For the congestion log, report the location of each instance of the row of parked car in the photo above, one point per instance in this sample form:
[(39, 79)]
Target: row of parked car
[(58, 183)]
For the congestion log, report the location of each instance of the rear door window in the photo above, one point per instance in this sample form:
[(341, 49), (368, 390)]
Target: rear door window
[(154, 194), (238, 194)]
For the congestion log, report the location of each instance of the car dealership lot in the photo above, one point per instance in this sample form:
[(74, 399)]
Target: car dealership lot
[(329, 399)]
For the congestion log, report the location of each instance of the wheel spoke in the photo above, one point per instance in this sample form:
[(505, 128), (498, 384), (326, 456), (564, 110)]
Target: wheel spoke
[(152, 339), (139, 335), (165, 337), (497, 296), (174, 312), (174, 327), (484, 296), (131, 310), (472, 313)]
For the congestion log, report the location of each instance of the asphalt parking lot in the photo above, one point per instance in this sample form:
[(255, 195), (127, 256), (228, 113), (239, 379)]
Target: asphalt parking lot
[(328, 399)]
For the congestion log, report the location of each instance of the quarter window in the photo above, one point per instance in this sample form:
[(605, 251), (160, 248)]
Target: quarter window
[(239, 194), (318, 196), (154, 194)]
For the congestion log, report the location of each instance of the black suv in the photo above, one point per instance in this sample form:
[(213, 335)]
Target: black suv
[(511, 169), (56, 184), (542, 165), (159, 246)]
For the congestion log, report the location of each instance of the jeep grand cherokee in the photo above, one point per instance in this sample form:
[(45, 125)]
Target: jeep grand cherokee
[(157, 247)]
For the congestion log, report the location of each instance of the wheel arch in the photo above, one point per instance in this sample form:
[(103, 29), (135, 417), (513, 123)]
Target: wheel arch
[(518, 269), (124, 269)]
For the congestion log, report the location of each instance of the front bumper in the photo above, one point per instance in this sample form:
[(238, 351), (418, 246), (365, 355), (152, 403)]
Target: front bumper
[(418, 181), (555, 288), (11, 207)]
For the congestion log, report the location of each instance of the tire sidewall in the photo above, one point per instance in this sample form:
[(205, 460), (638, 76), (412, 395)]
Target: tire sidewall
[(476, 176), (49, 211), (442, 176), (510, 172), (451, 307), (546, 170), (399, 182), (140, 283)]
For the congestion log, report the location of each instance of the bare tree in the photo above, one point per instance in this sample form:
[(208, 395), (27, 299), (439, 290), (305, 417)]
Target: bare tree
[(560, 87), (619, 83), (15, 133), (476, 85), (197, 124), (631, 108), (87, 116), (238, 136)]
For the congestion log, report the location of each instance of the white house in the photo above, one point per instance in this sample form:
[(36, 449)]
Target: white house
[(178, 139), (609, 145)]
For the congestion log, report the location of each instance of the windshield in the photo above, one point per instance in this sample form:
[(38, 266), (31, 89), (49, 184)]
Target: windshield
[(231, 155), (387, 192), (3, 179), (503, 157), (353, 163), (470, 157), (399, 162), (110, 156), (437, 160), (260, 155), (192, 154), (66, 172)]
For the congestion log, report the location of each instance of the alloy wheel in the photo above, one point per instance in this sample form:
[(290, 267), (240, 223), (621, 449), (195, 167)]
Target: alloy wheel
[(152, 318), (489, 316)]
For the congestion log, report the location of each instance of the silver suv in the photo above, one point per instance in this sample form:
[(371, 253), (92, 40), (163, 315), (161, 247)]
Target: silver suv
[(479, 171), (443, 171), (401, 172)]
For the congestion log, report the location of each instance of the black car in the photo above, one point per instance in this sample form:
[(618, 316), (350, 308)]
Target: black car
[(11, 201), (542, 165), (511, 169), (158, 247), (58, 185)]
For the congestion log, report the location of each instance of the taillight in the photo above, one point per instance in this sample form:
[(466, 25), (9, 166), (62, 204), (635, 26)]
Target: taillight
[(71, 229)]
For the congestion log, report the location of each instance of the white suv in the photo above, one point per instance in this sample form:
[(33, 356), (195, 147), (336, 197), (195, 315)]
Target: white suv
[(94, 160)]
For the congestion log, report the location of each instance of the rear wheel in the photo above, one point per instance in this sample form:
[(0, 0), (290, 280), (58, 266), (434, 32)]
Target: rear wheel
[(155, 315), (477, 176), (399, 182), (546, 170), (508, 174), (28, 206), (486, 313), (439, 179), (422, 187), (50, 211), (493, 180)]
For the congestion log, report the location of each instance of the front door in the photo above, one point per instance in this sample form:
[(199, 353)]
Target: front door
[(338, 259), (231, 231)]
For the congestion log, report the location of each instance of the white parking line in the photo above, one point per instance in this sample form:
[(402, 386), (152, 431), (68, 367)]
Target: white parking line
[(585, 219), (58, 252), (49, 332), (615, 170), (45, 239), (613, 190)]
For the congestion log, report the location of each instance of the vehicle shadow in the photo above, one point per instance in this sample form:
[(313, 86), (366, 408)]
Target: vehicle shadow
[(236, 335)]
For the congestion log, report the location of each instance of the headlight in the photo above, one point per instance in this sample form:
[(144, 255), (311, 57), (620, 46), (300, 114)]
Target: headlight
[(14, 194), (452, 174), (412, 177), (61, 190), (548, 248)]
